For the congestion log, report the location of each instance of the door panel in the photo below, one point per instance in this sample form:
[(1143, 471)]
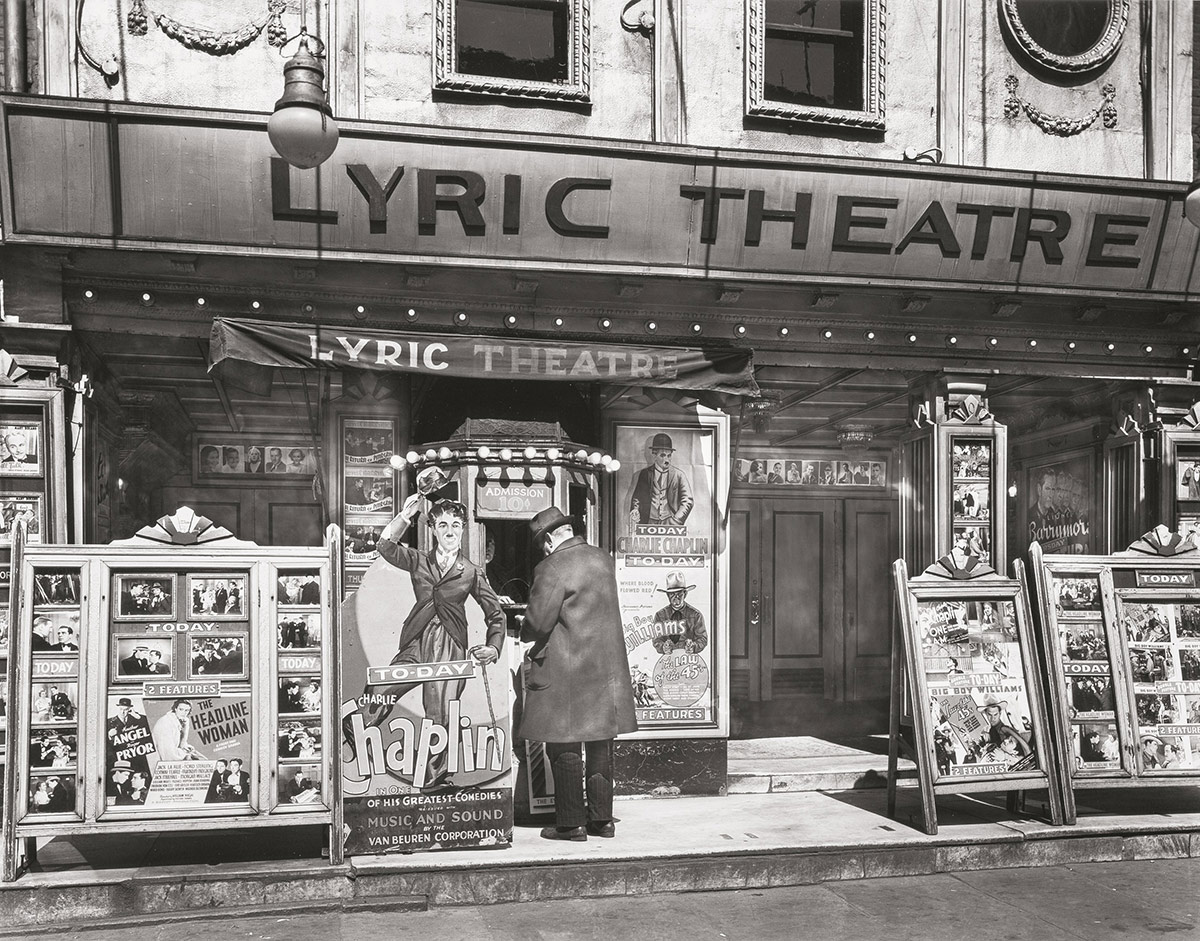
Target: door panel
[(872, 541), (799, 559), (280, 516), (821, 571)]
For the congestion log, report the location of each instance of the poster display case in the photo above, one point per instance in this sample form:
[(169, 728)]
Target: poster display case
[(33, 491), (667, 499), (367, 483), (979, 721), (179, 680), (1123, 632), (957, 473)]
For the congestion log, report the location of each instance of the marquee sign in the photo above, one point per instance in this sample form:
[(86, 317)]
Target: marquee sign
[(127, 176)]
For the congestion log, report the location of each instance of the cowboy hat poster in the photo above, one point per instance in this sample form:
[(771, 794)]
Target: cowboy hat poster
[(665, 564)]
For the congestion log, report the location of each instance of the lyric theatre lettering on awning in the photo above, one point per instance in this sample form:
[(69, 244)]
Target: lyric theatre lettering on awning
[(1113, 240)]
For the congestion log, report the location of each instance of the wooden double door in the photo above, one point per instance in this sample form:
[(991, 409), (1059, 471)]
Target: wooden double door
[(811, 614)]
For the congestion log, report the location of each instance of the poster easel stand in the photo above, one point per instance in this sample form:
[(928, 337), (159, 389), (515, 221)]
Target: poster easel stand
[(1097, 617), (959, 613)]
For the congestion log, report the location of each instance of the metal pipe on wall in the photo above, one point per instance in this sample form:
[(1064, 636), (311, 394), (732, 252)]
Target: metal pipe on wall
[(14, 46)]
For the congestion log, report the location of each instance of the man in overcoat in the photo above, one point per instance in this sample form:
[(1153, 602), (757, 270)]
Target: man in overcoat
[(435, 630), (577, 686)]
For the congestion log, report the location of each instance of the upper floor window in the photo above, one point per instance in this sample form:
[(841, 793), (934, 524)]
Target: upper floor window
[(527, 48), (815, 60)]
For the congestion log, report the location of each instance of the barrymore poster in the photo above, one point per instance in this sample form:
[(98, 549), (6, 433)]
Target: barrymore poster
[(664, 557), (412, 782)]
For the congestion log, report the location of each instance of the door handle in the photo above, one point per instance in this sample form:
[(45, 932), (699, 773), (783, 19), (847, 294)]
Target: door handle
[(754, 611)]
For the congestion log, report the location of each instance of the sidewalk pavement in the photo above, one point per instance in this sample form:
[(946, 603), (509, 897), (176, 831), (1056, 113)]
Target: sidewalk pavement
[(661, 846)]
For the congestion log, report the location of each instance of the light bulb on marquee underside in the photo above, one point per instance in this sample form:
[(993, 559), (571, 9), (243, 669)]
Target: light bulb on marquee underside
[(444, 454), (412, 457), (553, 454), (484, 452)]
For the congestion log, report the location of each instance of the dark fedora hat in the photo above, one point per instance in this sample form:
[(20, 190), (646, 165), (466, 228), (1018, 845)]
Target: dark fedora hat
[(547, 521), (661, 442)]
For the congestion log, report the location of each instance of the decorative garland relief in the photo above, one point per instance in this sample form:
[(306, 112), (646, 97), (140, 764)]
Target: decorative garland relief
[(1057, 124), (206, 40)]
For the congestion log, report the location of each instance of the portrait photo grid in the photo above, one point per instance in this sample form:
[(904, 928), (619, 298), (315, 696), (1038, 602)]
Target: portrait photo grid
[(792, 471), (254, 459)]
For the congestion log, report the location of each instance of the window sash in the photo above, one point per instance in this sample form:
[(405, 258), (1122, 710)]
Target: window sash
[(572, 84), (763, 39)]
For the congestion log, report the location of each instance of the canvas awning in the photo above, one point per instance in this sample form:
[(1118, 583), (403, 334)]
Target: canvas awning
[(245, 353)]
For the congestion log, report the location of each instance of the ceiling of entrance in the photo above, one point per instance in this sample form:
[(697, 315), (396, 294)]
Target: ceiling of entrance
[(814, 388), (803, 407)]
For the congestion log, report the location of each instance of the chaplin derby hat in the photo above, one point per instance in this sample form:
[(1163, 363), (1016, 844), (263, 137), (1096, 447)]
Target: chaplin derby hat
[(661, 442), (125, 701), (546, 521), (675, 582)]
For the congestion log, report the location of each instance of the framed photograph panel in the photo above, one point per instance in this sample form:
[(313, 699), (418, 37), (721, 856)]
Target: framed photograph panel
[(56, 587), (57, 701), (144, 597), (21, 506), (252, 459), (138, 658), (217, 656), (299, 630), (298, 587), (20, 449), (299, 695), (217, 597)]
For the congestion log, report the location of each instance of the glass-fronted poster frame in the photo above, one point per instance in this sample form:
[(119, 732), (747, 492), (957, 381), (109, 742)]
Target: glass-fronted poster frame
[(1148, 605), (167, 718), (667, 500), (1085, 670), (979, 714)]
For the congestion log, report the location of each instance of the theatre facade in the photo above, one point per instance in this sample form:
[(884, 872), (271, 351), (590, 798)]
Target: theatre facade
[(836, 361)]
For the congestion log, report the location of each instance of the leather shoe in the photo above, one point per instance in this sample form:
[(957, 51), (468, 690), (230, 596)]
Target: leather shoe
[(575, 834), (608, 829)]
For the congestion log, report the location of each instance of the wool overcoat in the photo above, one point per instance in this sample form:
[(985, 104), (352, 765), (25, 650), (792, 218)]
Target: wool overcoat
[(577, 686)]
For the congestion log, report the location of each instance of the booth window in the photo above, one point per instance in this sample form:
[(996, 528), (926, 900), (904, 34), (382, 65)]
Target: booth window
[(524, 48), (815, 60)]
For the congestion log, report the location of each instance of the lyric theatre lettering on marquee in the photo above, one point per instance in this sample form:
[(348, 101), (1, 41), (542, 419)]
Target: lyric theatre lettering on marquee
[(1112, 238)]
